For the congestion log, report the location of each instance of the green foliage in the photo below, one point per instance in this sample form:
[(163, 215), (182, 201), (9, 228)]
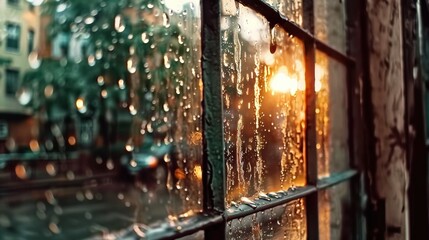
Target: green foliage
[(117, 32)]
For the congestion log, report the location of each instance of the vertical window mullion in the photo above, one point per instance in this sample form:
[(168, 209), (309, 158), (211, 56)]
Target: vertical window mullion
[(213, 161), (310, 132)]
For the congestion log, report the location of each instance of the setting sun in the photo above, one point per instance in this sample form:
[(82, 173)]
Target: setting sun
[(283, 82)]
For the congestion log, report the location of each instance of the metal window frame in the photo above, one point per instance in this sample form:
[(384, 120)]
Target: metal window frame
[(215, 215)]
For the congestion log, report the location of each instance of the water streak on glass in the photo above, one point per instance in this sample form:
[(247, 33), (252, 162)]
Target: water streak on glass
[(291, 9), (103, 97), (282, 222), (264, 100), (331, 115), (330, 23), (335, 213)]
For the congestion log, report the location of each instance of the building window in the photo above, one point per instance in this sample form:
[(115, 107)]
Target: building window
[(4, 130), (13, 31), (30, 40), (12, 81), (13, 2)]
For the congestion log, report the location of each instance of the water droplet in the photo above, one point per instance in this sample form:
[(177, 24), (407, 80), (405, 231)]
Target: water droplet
[(165, 20), (167, 158), (121, 83), (80, 197), (50, 198), (54, 228), (100, 80), (51, 169), (34, 60), (150, 5), (94, 12), (273, 195), (248, 202), (89, 195), (264, 196), (49, 90), (22, 171), (132, 65), (145, 38), (133, 110), (88, 215), (104, 93), (273, 44), (119, 25), (61, 7), (91, 60), (70, 175), (110, 165), (120, 196), (81, 105), (130, 145), (179, 184), (89, 20), (78, 19), (180, 39), (98, 54), (34, 145), (166, 62)]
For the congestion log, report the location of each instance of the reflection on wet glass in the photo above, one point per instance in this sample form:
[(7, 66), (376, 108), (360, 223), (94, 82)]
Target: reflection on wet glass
[(282, 222), (291, 9), (331, 115), (264, 101), (335, 213), (330, 23), (101, 93)]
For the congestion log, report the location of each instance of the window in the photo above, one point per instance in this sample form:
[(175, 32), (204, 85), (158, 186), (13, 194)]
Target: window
[(31, 39), (13, 36), (12, 81), (4, 130), (162, 119), (13, 2)]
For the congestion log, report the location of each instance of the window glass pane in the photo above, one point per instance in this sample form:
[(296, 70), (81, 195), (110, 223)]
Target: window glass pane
[(103, 130), (12, 81), (30, 41), (282, 222), (331, 115), (335, 213), (13, 37), (264, 103), (330, 23), (291, 9)]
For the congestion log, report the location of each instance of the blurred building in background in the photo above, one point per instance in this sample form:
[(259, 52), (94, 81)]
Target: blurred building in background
[(19, 33)]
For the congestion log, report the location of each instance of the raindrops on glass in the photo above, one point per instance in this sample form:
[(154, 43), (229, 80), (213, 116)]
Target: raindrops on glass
[(33, 60), (119, 24), (24, 96)]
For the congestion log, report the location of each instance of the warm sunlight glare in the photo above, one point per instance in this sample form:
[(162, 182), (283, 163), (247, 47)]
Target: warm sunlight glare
[(283, 82)]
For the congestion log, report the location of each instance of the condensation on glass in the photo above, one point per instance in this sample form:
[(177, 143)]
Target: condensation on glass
[(104, 97), (331, 115), (290, 9), (335, 213), (264, 106), (281, 222), (330, 23)]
